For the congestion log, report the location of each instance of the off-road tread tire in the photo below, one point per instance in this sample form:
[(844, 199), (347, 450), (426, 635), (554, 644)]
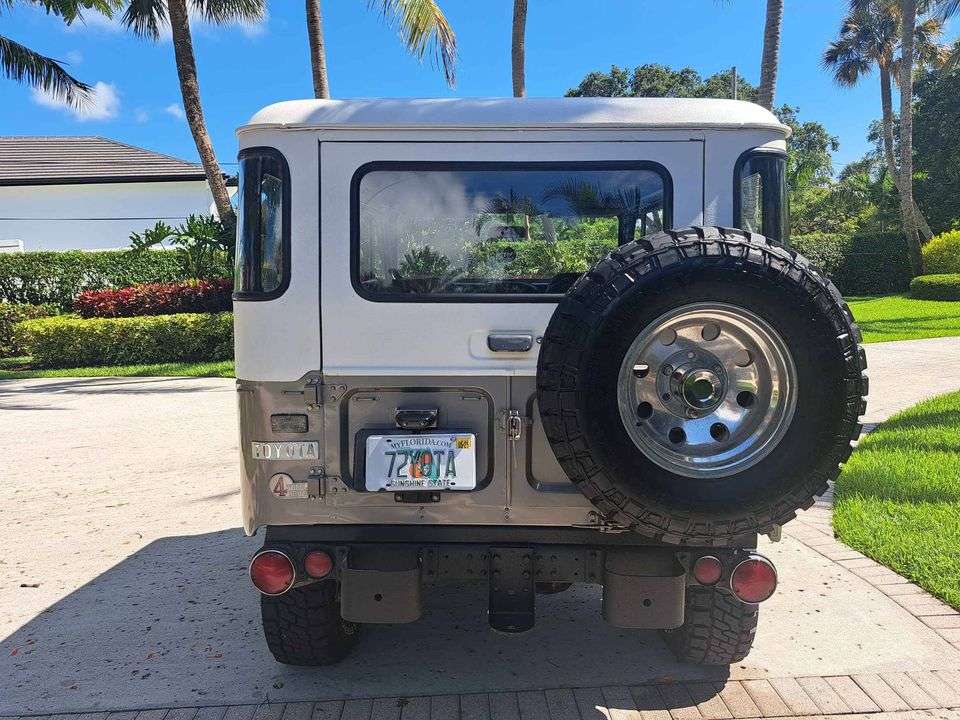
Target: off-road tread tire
[(303, 626), (717, 629), (566, 342)]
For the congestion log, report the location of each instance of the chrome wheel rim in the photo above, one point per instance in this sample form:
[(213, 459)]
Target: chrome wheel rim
[(707, 390)]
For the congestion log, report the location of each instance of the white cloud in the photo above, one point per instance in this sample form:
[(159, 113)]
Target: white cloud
[(74, 57), (141, 115), (174, 110), (96, 21), (104, 103)]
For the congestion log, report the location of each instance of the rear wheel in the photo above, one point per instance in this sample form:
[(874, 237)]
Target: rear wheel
[(717, 628), (304, 627)]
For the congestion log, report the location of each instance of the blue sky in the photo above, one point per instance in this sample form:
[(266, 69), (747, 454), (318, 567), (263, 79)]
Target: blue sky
[(243, 68)]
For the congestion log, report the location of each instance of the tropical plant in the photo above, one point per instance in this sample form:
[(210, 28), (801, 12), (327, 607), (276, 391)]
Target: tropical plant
[(421, 24), (146, 18), (21, 64), (517, 47), (870, 36), (936, 141), (770, 59), (203, 245)]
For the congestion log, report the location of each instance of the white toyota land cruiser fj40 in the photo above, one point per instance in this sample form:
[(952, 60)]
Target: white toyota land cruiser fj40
[(472, 343)]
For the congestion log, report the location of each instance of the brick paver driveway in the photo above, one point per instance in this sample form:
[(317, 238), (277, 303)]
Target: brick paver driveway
[(123, 587)]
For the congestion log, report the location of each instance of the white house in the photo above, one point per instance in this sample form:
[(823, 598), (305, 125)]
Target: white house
[(90, 193)]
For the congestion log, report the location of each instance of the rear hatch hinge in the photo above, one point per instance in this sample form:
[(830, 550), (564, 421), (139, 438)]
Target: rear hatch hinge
[(317, 393)]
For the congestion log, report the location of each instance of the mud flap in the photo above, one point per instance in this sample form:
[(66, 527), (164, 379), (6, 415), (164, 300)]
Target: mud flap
[(381, 586), (642, 593), (511, 590)]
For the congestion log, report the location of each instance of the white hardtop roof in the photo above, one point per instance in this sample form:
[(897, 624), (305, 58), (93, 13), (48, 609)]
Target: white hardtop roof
[(498, 113)]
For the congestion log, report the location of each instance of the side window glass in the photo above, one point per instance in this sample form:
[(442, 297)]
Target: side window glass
[(761, 195), (263, 243)]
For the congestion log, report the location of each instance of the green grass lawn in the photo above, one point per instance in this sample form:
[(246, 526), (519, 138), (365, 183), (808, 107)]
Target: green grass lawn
[(896, 317), (898, 497), (19, 368)]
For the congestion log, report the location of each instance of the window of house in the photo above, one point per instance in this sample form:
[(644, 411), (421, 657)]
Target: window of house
[(263, 225), (487, 230)]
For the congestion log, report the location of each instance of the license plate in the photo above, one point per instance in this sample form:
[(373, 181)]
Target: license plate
[(421, 462)]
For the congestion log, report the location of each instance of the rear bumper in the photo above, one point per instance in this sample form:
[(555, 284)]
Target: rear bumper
[(383, 570)]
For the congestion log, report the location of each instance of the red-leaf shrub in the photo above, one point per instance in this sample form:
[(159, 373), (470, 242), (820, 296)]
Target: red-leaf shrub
[(156, 299)]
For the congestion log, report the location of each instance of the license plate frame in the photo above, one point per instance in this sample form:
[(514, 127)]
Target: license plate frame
[(438, 461)]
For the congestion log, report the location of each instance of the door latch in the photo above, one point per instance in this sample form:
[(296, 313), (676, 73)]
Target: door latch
[(514, 424)]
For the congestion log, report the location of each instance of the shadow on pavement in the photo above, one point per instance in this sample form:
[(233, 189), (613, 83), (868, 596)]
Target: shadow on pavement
[(177, 624)]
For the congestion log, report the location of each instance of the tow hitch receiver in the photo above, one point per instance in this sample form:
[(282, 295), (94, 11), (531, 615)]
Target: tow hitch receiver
[(511, 590)]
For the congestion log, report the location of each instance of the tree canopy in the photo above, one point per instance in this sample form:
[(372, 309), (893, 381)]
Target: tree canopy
[(655, 80)]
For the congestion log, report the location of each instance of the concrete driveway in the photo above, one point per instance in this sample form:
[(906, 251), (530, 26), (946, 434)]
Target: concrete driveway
[(123, 582)]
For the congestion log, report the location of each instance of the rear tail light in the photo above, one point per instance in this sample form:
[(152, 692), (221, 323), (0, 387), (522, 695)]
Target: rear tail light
[(754, 579), (272, 572), (318, 564), (707, 570)]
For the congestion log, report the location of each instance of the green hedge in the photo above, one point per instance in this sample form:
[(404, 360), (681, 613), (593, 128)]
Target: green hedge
[(58, 277), (877, 264), (936, 287), (10, 315), (61, 342), (825, 250), (941, 255)]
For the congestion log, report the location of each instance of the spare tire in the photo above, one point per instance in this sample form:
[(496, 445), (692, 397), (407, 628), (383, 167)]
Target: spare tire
[(702, 385)]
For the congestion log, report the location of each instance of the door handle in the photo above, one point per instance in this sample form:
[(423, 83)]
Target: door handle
[(510, 342)]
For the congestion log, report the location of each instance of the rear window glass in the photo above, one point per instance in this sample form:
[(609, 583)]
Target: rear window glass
[(473, 229), (263, 218)]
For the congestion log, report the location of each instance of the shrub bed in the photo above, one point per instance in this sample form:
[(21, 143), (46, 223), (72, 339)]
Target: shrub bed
[(941, 254), (936, 287), (58, 277), (10, 315), (156, 299), (62, 342)]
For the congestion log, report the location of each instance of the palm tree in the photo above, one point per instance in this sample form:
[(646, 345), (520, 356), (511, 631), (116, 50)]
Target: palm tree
[(421, 24), (146, 18), (517, 49), (908, 11), (770, 59), (20, 63), (870, 36)]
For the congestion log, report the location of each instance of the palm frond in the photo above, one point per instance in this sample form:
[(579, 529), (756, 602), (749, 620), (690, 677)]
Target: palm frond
[(22, 64), (69, 10), (220, 12), (422, 26), (145, 17)]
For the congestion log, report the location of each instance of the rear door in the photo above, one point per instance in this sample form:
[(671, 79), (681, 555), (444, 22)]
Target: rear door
[(441, 264)]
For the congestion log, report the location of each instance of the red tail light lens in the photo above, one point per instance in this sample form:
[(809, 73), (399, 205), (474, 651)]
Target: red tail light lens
[(754, 579), (318, 564), (272, 572), (707, 570)]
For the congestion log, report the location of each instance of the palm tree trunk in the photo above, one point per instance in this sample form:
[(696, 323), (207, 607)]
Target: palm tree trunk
[(190, 92), (517, 50), (318, 53), (770, 60), (908, 19), (886, 102)]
